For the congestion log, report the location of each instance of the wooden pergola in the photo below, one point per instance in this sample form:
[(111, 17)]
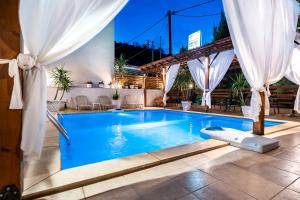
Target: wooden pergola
[(182, 58), (157, 67)]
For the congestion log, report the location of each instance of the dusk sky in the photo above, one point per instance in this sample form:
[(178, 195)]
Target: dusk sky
[(140, 14)]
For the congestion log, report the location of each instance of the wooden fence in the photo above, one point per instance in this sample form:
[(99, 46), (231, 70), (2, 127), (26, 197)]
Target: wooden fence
[(141, 81), (281, 97)]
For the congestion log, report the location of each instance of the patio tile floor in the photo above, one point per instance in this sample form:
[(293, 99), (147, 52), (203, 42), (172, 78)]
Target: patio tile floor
[(225, 173)]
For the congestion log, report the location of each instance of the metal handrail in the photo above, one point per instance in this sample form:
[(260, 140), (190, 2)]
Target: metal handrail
[(55, 110), (59, 127)]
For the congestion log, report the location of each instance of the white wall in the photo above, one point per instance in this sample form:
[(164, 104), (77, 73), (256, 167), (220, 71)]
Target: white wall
[(93, 93), (95, 60)]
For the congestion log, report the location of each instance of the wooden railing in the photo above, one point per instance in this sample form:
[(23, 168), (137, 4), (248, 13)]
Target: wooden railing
[(281, 97)]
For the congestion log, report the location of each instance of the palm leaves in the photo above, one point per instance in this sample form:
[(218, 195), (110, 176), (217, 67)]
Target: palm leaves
[(239, 84), (61, 80), (183, 81), (120, 64)]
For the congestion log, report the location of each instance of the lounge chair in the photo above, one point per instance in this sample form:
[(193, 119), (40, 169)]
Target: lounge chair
[(82, 102), (105, 102), (134, 101)]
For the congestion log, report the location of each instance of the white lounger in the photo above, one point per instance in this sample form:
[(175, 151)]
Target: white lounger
[(242, 139)]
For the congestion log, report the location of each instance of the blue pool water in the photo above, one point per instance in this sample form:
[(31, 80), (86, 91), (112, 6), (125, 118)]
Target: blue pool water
[(97, 137)]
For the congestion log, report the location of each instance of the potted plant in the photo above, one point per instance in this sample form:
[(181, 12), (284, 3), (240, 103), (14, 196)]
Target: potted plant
[(183, 83), (240, 84), (116, 100), (101, 84), (89, 84), (62, 82), (119, 68)]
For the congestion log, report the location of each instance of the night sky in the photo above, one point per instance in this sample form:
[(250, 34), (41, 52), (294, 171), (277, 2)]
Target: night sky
[(138, 15)]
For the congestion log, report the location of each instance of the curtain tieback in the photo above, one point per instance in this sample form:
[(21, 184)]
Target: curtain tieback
[(24, 62)]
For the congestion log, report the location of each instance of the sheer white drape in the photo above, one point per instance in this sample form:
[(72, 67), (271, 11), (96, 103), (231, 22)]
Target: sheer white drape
[(197, 70), (51, 30), (293, 74), (217, 69), (262, 33), (171, 74)]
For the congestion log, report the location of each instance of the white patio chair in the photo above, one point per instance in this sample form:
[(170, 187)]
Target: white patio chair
[(105, 102), (82, 102)]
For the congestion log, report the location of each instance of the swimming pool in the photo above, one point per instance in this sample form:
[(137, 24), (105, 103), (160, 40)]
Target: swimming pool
[(96, 137)]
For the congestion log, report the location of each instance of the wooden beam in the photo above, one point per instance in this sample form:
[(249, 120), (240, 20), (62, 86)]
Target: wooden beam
[(11, 120), (259, 127)]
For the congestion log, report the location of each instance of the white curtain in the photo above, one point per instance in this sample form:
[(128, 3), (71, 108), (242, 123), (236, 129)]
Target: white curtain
[(197, 70), (262, 33), (217, 70), (51, 30), (170, 77), (293, 74)]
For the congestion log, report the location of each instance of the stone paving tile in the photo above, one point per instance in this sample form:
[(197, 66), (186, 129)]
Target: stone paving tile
[(280, 177), (124, 193), (290, 155), (287, 195), (244, 180), (162, 190), (221, 191), (194, 180), (189, 197), (295, 186), (286, 165)]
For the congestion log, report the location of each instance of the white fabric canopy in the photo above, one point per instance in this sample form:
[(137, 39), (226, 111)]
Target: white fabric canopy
[(218, 67), (262, 33), (170, 79), (51, 30), (197, 70), (293, 74), (217, 71)]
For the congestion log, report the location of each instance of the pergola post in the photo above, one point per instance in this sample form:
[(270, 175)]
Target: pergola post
[(206, 70), (145, 91), (164, 80), (11, 120), (259, 127)]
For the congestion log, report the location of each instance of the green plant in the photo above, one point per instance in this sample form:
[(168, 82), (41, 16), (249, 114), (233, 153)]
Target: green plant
[(61, 80), (116, 96), (183, 81), (119, 68), (239, 84)]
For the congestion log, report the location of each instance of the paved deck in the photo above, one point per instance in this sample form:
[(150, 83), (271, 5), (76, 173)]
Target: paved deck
[(225, 173)]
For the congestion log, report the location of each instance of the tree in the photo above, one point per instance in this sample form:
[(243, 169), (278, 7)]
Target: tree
[(221, 31), (183, 82), (120, 64), (61, 80)]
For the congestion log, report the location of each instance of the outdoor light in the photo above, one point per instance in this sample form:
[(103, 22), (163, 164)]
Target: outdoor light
[(190, 85)]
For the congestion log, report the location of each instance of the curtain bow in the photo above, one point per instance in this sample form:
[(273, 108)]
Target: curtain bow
[(25, 62), (255, 103)]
